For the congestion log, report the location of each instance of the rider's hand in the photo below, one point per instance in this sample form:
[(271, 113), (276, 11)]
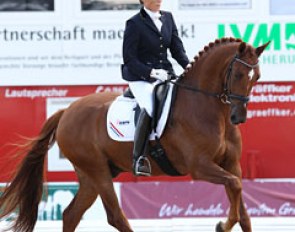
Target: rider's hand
[(159, 74), (189, 65)]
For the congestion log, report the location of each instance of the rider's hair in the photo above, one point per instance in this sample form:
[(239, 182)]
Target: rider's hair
[(141, 1)]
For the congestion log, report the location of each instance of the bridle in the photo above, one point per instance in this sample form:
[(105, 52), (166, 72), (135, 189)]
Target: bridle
[(226, 96)]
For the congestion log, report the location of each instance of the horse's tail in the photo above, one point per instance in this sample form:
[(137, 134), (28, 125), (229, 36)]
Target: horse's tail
[(25, 191)]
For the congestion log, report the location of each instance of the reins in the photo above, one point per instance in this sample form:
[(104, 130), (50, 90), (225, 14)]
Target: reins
[(226, 96)]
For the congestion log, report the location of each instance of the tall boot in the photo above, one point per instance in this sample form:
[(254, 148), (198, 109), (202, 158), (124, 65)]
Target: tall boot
[(141, 164)]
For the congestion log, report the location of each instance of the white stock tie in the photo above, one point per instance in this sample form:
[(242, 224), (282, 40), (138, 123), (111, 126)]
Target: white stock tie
[(157, 21)]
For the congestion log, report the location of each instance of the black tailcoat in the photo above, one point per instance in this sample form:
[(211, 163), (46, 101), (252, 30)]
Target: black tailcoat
[(145, 47)]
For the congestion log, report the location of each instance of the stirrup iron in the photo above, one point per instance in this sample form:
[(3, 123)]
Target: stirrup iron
[(146, 161)]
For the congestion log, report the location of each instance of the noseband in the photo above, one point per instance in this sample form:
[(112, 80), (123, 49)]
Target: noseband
[(226, 96)]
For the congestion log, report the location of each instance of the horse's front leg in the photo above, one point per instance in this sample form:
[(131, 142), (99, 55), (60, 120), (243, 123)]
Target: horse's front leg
[(209, 171), (234, 215), (245, 221), (235, 168)]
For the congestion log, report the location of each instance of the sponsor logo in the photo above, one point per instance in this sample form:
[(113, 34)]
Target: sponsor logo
[(281, 35), (126, 122)]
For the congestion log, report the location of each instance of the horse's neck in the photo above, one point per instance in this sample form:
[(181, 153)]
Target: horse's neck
[(208, 76), (210, 70)]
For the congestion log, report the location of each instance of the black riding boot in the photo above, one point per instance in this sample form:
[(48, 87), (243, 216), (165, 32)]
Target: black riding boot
[(141, 164)]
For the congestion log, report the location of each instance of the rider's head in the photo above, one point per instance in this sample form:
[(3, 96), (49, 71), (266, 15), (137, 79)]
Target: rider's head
[(152, 5)]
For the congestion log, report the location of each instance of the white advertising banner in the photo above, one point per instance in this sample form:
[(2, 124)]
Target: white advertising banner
[(56, 160), (78, 42)]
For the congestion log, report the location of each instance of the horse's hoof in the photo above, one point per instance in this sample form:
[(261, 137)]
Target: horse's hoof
[(220, 227)]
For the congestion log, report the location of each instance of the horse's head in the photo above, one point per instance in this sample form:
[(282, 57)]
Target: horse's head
[(235, 71), (242, 73)]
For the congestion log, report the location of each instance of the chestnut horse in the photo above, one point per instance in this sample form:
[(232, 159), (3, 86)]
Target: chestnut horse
[(201, 139)]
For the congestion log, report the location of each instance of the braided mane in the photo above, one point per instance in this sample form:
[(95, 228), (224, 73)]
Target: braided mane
[(210, 46)]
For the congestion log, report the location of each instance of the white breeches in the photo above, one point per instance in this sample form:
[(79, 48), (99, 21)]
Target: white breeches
[(143, 93)]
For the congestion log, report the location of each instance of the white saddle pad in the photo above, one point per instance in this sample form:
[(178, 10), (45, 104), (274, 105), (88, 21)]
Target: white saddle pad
[(120, 118)]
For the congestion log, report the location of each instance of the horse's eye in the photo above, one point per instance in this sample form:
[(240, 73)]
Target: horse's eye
[(239, 75)]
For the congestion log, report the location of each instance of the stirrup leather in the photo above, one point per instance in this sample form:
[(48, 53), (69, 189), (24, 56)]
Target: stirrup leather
[(146, 163)]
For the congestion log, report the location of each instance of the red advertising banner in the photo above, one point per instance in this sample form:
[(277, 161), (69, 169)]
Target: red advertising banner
[(23, 112), (268, 140), (268, 134), (156, 200)]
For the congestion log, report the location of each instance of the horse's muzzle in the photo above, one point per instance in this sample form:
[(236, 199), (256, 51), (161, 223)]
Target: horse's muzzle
[(238, 113)]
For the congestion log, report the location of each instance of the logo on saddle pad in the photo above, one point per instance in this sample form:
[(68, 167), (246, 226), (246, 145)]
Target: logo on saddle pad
[(121, 118)]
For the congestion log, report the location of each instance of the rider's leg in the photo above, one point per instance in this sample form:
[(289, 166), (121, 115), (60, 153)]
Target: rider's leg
[(141, 165), (143, 92)]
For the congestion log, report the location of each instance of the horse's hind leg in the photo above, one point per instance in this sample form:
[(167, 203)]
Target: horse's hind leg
[(84, 198), (88, 191), (115, 215), (103, 184)]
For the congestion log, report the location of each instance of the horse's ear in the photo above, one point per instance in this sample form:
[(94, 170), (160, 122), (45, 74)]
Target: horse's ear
[(242, 47), (260, 49)]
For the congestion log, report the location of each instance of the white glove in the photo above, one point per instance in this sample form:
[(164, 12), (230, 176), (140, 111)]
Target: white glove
[(189, 65), (159, 74)]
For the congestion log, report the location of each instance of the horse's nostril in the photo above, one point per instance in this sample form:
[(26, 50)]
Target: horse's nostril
[(233, 118), (236, 119)]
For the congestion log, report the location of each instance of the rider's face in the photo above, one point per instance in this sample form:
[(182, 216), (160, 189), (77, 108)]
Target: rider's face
[(152, 5)]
